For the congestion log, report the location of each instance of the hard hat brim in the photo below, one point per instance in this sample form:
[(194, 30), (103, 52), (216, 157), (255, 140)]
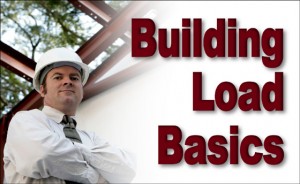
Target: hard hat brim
[(83, 66)]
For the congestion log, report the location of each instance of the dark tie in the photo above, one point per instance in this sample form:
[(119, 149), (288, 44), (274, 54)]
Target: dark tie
[(70, 129), (71, 133)]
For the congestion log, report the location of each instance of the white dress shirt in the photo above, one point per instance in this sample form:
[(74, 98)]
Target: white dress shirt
[(37, 151)]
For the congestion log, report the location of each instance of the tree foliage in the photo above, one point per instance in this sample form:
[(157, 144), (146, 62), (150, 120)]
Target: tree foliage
[(41, 25), (13, 88)]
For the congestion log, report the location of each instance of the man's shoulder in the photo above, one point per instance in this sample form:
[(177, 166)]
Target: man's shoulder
[(28, 114), (27, 119)]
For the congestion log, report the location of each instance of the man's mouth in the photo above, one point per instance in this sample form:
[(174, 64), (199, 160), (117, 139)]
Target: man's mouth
[(67, 90)]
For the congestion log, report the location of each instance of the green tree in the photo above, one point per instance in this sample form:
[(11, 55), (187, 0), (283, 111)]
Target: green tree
[(13, 88), (41, 25)]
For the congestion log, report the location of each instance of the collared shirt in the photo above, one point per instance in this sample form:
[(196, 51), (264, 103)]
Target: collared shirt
[(37, 151)]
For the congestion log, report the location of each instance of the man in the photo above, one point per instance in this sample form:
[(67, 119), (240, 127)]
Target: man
[(43, 146)]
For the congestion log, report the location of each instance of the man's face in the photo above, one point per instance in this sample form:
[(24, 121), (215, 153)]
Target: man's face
[(63, 90)]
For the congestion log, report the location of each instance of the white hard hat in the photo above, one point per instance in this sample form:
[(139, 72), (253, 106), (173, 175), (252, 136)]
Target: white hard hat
[(55, 58)]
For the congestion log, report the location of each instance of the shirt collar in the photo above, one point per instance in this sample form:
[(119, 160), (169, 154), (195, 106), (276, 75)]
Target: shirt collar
[(54, 114)]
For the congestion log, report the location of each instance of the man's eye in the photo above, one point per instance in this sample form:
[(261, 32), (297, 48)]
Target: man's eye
[(75, 78), (57, 77)]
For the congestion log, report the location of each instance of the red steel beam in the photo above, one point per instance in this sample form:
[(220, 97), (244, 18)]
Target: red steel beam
[(105, 8), (91, 10), (31, 101), (115, 29), (118, 78), (16, 62), (96, 10), (108, 64)]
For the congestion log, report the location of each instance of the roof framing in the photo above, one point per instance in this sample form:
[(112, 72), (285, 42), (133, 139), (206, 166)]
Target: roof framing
[(115, 29)]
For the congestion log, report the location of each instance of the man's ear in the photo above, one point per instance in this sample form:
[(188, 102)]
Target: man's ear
[(42, 90)]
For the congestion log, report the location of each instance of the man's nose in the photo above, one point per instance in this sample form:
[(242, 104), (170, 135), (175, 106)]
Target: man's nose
[(67, 81)]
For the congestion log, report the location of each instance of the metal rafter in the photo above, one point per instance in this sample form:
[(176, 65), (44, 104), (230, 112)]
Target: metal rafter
[(118, 78), (31, 101), (16, 62), (108, 64), (99, 11), (96, 10), (92, 10), (115, 29), (105, 8)]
